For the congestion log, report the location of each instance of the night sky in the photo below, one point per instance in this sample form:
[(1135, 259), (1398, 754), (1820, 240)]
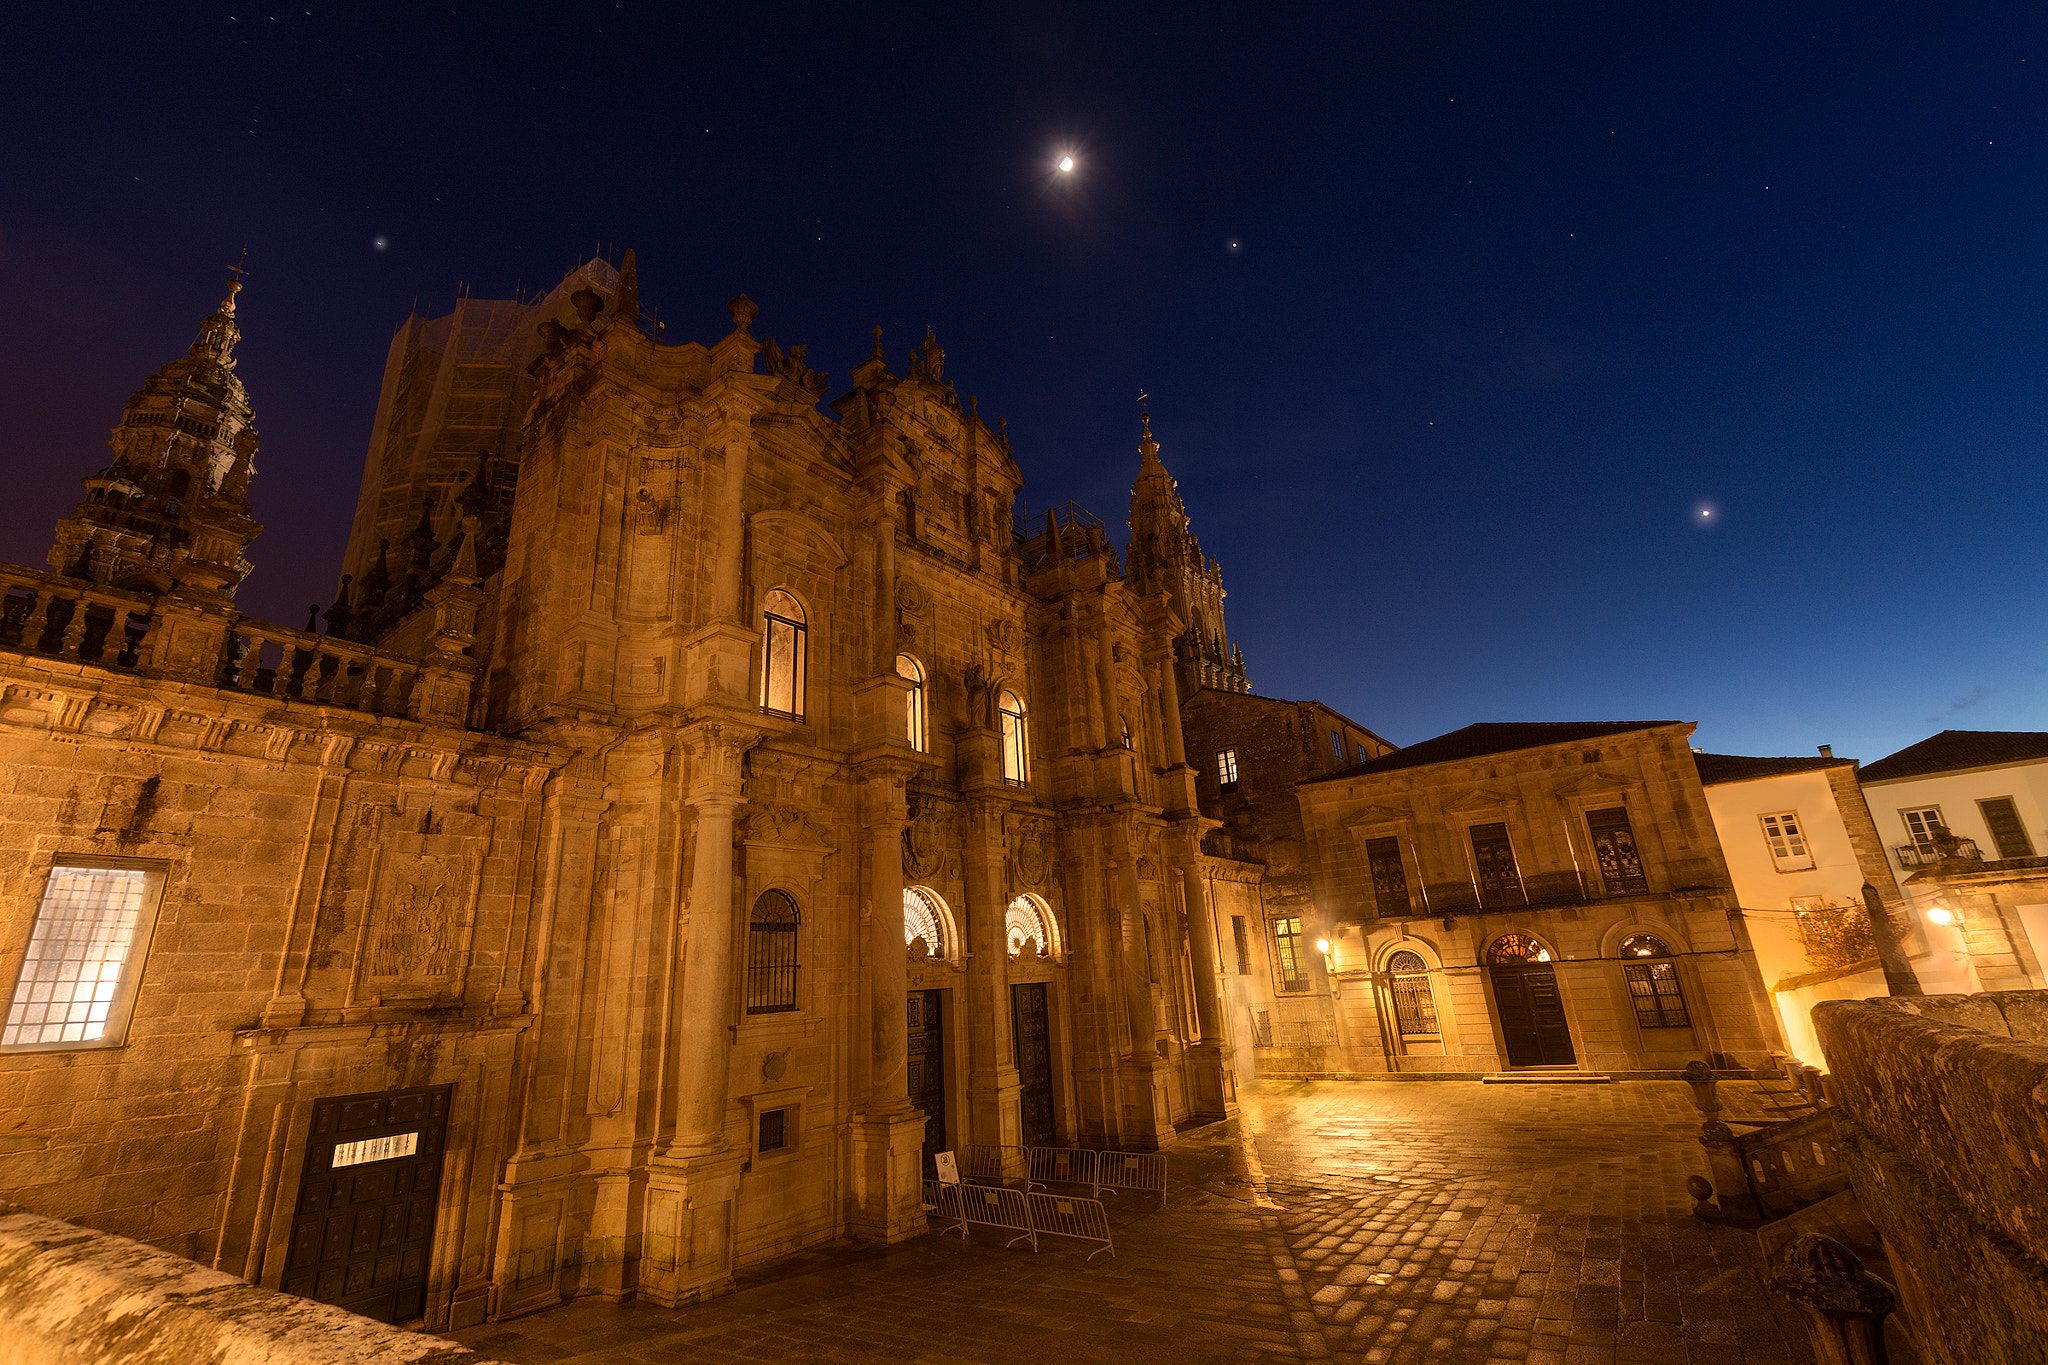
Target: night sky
[(1455, 319)]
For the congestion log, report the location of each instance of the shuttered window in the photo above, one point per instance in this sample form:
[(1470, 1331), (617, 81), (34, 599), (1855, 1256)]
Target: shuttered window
[(1493, 858), (1614, 849), (2003, 819), (1389, 878)]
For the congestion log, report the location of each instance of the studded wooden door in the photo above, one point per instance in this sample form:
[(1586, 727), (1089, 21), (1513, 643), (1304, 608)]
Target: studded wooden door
[(926, 1015), (363, 1231), (1532, 1021), (1033, 1037)]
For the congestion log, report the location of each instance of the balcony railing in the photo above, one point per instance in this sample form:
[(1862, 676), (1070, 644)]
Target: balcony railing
[(1927, 855)]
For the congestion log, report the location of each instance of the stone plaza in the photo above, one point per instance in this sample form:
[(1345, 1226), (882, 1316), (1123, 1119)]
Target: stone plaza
[(1359, 1222)]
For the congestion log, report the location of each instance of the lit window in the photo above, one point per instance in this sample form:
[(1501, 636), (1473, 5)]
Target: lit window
[(1788, 841), (1016, 747), (1028, 927), (1653, 986), (1414, 1002), (1226, 769), (84, 957), (771, 954), (923, 920), (1287, 959), (1125, 721), (782, 638), (907, 667)]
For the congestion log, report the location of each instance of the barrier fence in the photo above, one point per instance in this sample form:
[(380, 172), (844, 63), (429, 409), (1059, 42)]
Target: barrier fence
[(1026, 1215), (1101, 1172)]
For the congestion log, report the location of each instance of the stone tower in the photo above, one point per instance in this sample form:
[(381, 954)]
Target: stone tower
[(1165, 557), (172, 510)]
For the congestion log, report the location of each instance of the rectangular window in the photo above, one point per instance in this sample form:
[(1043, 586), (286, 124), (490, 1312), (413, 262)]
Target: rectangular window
[(1389, 878), (1653, 986), (1787, 840), (774, 1131), (1493, 858), (2003, 819), (1921, 826), (1244, 947), (84, 957), (1363, 756), (1614, 849), (1337, 743), (1287, 959), (1226, 769)]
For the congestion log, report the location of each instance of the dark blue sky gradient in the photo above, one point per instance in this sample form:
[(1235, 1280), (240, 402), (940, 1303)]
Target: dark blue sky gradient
[(1520, 290)]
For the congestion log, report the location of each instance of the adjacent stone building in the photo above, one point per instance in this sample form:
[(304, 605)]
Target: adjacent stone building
[(699, 806), (1544, 896)]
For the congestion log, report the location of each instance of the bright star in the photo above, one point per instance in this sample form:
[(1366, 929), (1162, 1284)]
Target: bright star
[(381, 242)]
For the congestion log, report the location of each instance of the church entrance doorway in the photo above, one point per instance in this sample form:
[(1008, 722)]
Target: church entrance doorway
[(1525, 995), (364, 1225), (1033, 1034), (927, 1019)]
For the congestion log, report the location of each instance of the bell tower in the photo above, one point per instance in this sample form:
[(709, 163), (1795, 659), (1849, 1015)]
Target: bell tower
[(172, 508), (1165, 557)]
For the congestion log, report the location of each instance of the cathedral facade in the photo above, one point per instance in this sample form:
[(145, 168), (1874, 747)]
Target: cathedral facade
[(700, 805)]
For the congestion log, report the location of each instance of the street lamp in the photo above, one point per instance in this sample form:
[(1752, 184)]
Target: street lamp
[(1941, 914)]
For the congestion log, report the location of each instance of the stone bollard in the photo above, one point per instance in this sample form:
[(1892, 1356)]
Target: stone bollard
[(1844, 1305), (1702, 1191), (1702, 1079)]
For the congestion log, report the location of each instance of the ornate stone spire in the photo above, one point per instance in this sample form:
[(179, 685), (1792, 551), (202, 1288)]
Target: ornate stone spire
[(172, 506), (1165, 557)]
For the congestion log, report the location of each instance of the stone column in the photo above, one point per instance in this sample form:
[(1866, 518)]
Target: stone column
[(1169, 709), (993, 1085), (1206, 1064), (1144, 1122), (692, 1182), (888, 1135), (718, 655), (732, 527)]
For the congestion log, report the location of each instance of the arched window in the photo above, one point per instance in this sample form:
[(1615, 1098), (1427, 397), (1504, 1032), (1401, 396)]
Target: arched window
[(1027, 927), (1653, 986), (907, 667), (1125, 721), (1016, 747), (1515, 950), (782, 640), (1414, 1002), (923, 918), (771, 954)]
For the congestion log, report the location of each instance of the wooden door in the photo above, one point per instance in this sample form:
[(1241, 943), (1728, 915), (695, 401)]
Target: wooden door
[(926, 1015), (1532, 1021), (363, 1231), (1033, 1036)]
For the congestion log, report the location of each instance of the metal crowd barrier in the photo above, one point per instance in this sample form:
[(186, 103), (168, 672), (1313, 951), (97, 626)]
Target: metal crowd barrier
[(1026, 1215), (1131, 1171), (1037, 1167)]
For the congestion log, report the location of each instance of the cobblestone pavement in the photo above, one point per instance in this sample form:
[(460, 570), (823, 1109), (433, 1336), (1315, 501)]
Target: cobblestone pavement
[(1366, 1223)]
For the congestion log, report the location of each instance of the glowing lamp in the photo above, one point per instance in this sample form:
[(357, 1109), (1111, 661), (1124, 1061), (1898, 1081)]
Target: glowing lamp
[(1941, 914), (1322, 945)]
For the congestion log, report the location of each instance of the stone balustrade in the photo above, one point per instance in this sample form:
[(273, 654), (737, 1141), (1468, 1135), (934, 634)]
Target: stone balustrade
[(45, 613), (319, 669)]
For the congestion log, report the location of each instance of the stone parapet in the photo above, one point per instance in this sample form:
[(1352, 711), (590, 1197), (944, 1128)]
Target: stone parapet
[(71, 1294), (1945, 1140)]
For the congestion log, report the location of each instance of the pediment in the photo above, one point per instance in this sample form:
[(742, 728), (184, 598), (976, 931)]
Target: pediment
[(1478, 799), (1378, 815), (801, 528), (1596, 784)]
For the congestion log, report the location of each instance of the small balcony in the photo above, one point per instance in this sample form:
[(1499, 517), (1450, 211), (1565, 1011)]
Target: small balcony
[(1929, 855)]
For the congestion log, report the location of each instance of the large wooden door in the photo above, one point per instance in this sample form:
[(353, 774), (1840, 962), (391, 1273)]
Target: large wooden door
[(1532, 1019), (363, 1231), (926, 1014), (1033, 1035)]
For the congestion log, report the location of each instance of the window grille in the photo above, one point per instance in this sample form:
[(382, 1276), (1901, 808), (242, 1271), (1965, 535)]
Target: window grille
[(1653, 986), (1016, 741), (79, 970), (1226, 769), (1287, 959), (783, 647), (1614, 849), (1493, 858), (1787, 840), (1389, 878), (771, 954), (1244, 947), (913, 701), (774, 1131), (1414, 1002)]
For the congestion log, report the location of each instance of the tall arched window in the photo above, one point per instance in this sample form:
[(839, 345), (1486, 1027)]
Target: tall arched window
[(1653, 986), (771, 954), (907, 667), (782, 653), (1129, 742), (1414, 1002), (924, 918), (1016, 747)]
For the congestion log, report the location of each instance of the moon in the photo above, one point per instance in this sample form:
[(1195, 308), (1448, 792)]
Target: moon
[(1066, 163)]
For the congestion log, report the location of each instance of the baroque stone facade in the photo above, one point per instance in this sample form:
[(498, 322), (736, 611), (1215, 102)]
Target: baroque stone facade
[(644, 870)]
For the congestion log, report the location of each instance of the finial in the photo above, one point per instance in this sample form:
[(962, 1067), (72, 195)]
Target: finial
[(227, 305), (878, 342), (744, 310)]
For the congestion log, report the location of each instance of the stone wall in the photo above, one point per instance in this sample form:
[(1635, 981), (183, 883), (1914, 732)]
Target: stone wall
[(1946, 1139), (69, 1294)]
